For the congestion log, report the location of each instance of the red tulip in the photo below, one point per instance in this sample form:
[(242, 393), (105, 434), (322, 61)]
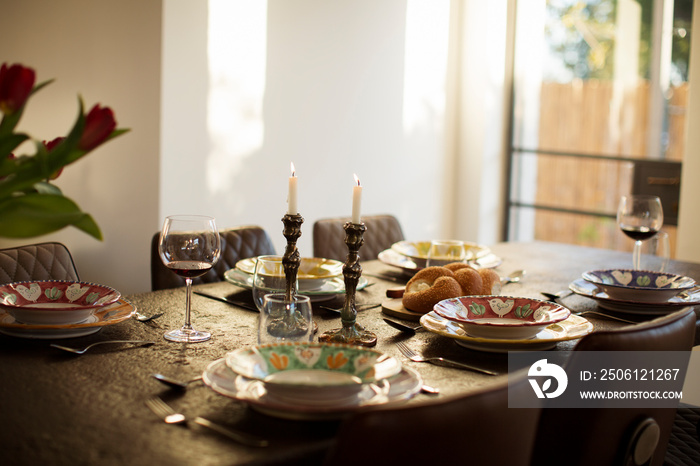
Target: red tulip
[(99, 124), (16, 83), (49, 146)]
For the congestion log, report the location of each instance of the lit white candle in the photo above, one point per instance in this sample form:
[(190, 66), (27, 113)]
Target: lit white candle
[(292, 196), (356, 201)]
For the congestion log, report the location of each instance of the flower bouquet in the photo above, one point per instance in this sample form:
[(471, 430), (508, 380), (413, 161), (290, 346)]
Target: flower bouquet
[(30, 205)]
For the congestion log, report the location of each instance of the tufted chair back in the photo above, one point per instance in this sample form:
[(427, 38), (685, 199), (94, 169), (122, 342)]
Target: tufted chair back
[(329, 236), (236, 244), (41, 261), (474, 429), (616, 435)]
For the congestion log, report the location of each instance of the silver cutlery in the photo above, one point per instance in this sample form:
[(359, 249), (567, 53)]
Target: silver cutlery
[(565, 293), (513, 277), (385, 277), (403, 327), (106, 342), (427, 389), (413, 356), (608, 316), (173, 383), (559, 295), (161, 409), (226, 300), (359, 307), (144, 318)]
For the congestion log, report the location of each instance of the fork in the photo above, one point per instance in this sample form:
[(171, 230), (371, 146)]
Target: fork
[(163, 410), (413, 356), (83, 350)]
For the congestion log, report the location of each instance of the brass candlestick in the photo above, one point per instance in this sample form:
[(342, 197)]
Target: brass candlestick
[(291, 259), (351, 332)]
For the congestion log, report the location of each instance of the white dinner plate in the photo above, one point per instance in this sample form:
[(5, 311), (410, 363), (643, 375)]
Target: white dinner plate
[(590, 290), (570, 329), (109, 315), (329, 290), (405, 263), (220, 378)]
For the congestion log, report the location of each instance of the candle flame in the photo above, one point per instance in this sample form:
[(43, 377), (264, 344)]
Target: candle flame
[(357, 180), (291, 165)]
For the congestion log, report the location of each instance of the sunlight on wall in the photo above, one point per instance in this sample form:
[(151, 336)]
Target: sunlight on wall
[(237, 57), (427, 25)]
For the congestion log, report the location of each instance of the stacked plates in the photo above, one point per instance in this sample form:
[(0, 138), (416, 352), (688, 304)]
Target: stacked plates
[(59, 309), (637, 291), (504, 323), (501, 317), (311, 380), (411, 256), (318, 278)]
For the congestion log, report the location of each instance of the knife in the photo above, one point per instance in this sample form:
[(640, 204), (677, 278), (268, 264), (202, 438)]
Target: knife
[(226, 300)]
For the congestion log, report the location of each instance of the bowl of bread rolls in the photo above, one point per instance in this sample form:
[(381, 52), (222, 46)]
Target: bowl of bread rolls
[(431, 285)]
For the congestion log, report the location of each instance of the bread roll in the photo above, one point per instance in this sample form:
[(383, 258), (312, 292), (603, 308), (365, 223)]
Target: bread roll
[(491, 282), (470, 280), (428, 287), (455, 266)]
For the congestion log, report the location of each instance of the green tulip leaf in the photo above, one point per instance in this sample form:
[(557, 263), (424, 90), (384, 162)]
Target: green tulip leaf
[(38, 214)]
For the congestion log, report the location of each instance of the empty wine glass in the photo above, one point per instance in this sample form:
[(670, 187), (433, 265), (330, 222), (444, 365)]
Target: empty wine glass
[(268, 277), (640, 217), (189, 246), (442, 252), (284, 321)]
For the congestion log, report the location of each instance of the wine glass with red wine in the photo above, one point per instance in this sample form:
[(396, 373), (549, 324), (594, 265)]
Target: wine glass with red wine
[(640, 217), (189, 246)]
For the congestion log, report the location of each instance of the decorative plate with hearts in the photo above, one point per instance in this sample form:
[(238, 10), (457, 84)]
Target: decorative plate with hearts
[(501, 317), (55, 301), (639, 285)]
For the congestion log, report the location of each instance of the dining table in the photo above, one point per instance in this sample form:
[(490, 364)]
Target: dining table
[(64, 409)]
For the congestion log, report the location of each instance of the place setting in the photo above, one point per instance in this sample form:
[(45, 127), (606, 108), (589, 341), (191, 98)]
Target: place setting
[(57, 309), (646, 288), (412, 256)]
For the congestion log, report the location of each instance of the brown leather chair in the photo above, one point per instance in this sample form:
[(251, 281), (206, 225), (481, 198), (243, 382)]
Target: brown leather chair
[(329, 236), (236, 244), (476, 429), (41, 261), (615, 435)]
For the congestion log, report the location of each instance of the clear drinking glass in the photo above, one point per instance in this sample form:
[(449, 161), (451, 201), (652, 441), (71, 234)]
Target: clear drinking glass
[(189, 246), (640, 217), (285, 321), (443, 252), (268, 277)]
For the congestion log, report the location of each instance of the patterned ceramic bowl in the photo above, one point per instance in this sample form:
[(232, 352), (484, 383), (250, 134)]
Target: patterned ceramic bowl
[(313, 371), (639, 285), (54, 302), (313, 271), (418, 251), (501, 317)]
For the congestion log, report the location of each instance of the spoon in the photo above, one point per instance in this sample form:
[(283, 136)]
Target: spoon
[(429, 390), (144, 318), (514, 277), (173, 383)]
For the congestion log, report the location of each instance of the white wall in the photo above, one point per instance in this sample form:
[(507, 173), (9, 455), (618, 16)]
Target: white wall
[(342, 87), (332, 103), (688, 247), (108, 52)]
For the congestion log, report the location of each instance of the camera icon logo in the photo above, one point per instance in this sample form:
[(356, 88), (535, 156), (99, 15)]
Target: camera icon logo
[(542, 368)]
